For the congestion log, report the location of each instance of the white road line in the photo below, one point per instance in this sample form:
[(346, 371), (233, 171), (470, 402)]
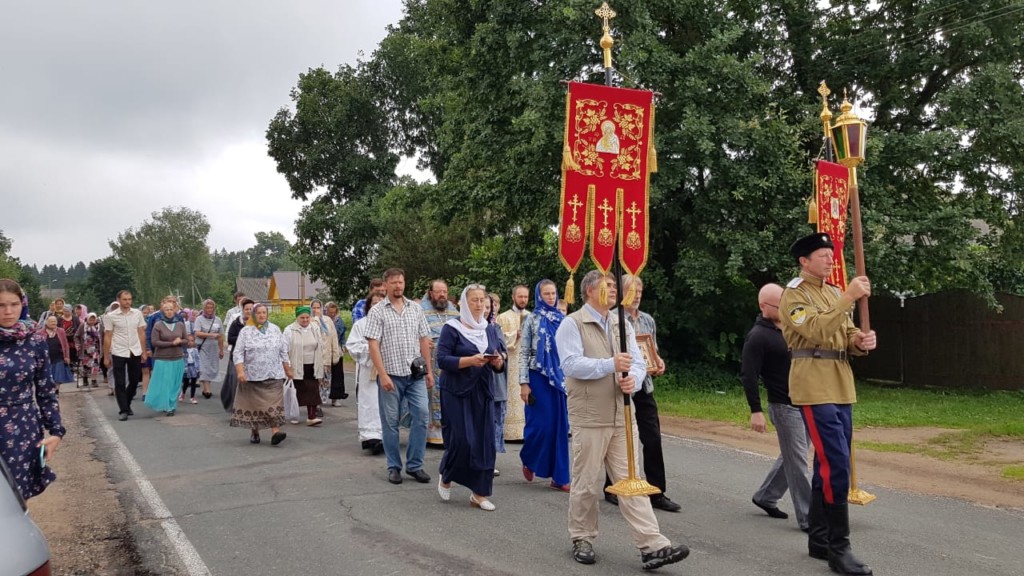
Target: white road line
[(186, 552)]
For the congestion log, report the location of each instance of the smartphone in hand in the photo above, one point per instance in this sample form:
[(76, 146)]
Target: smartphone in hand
[(42, 456)]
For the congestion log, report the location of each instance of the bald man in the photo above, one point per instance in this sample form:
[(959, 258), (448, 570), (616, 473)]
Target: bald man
[(766, 357)]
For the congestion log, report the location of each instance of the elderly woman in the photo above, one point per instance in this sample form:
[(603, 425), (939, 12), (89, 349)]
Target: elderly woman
[(27, 394), (261, 364), (545, 451), (209, 337), (331, 389), (367, 404), (90, 345), (57, 344), (305, 344), (469, 350), (338, 367), (234, 327), (169, 337)]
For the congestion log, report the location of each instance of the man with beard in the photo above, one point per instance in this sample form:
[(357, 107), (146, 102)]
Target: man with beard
[(511, 322), (438, 310)]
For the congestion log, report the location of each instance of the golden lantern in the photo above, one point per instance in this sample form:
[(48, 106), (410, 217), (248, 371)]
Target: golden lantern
[(849, 135)]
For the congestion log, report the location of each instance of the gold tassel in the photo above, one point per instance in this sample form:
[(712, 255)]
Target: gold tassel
[(812, 211), (602, 294), (627, 301), (570, 290)]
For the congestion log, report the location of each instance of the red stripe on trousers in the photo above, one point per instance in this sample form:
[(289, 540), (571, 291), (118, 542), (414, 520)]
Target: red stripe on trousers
[(824, 470)]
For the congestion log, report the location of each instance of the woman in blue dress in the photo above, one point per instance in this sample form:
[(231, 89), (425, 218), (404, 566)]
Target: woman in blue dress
[(468, 351), (545, 451), (28, 396)]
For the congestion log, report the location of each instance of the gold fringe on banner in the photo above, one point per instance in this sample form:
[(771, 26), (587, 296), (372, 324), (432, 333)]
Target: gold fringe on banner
[(602, 294), (652, 154), (567, 161), (812, 210), (570, 290)]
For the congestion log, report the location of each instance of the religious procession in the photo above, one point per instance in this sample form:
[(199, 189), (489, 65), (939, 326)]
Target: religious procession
[(557, 374)]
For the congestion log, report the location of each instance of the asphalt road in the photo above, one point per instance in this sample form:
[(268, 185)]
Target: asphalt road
[(318, 505)]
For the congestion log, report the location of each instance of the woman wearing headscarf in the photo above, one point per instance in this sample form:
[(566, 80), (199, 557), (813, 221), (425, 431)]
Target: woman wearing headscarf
[(261, 364), (335, 388), (147, 365), (57, 344), (235, 325), (209, 337), (169, 337), (545, 450), (499, 380), (28, 395), (69, 323), (338, 367), (305, 345), (367, 405), (469, 350), (90, 345)]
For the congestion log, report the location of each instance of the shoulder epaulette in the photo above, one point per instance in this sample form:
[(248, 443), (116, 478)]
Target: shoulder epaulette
[(795, 282)]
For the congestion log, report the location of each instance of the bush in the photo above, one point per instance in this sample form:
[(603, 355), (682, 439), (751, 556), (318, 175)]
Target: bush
[(282, 319), (697, 376)]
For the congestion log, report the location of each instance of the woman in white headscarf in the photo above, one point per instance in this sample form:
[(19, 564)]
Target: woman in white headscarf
[(468, 351)]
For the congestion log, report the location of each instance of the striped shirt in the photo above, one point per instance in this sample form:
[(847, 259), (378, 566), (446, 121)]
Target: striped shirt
[(399, 334)]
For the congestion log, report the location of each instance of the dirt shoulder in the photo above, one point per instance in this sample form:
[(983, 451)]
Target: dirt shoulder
[(974, 477), (80, 513)]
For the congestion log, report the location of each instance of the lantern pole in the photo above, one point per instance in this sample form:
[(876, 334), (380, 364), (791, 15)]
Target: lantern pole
[(848, 124), (631, 485)]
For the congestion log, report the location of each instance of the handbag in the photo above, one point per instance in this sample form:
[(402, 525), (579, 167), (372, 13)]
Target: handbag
[(227, 389), (418, 368)]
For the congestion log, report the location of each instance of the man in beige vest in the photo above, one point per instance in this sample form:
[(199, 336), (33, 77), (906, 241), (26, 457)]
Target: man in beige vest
[(592, 362), (511, 322)]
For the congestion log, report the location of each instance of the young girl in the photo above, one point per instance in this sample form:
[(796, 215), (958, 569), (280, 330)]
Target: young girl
[(191, 370)]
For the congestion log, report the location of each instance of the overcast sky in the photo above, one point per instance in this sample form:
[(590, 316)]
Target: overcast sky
[(113, 109)]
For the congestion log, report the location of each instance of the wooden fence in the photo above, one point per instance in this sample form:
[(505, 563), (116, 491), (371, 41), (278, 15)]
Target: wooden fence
[(948, 340)]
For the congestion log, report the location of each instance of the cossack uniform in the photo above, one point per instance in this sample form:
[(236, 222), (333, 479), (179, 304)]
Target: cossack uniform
[(818, 328)]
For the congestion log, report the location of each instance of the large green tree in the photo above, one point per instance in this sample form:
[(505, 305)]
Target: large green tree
[(167, 254), (473, 90)]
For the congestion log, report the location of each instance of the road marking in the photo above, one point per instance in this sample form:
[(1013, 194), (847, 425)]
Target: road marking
[(186, 552)]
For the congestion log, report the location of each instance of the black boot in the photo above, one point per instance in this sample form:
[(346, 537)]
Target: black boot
[(817, 528), (840, 556)]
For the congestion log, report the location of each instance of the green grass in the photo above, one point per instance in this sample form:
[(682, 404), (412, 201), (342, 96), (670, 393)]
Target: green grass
[(946, 446), (713, 394), (1013, 472)]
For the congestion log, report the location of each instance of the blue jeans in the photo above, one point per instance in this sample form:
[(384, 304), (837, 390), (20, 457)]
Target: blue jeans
[(414, 393)]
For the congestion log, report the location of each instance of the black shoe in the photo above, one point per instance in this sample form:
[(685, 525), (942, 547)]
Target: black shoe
[(207, 395), (665, 556), (130, 413), (420, 476), (378, 448), (611, 498), (394, 475), (583, 552), (662, 502), (277, 438), (254, 438), (319, 412), (344, 396), (772, 511), (367, 444), (122, 416)]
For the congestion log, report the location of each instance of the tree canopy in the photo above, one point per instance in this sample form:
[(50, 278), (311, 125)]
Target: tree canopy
[(472, 89)]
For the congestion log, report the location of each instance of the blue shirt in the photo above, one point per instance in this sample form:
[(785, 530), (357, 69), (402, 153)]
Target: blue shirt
[(576, 365)]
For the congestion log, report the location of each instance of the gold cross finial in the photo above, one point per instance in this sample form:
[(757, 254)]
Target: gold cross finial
[(605, 13), (826, 114), (823, 89)]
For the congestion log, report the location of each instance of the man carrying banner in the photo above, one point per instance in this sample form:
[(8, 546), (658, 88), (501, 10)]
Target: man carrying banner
[(821, 337)]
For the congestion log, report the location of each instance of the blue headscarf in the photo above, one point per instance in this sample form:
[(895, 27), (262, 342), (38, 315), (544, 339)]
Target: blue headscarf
[(550, 318)]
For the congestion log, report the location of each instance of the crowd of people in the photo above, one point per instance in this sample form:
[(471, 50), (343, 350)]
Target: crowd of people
[(468, 378)]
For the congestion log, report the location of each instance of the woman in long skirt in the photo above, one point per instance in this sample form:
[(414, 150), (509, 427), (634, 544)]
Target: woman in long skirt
[(499, 380), (367, 404), (169, 338), (545, 450), (468, 350), (261, 364), (305, 351), (209, 335)]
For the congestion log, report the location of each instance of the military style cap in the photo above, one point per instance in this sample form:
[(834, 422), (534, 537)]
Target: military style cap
[(807, 244)]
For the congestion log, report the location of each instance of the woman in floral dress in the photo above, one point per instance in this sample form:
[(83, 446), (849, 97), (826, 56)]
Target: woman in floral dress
[(28, 397), (261, 363), (90, 346)]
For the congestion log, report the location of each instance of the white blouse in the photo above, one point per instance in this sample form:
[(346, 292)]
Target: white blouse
[(263, 355)]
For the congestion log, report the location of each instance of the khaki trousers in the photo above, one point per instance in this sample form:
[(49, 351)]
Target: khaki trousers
[(595, 450)]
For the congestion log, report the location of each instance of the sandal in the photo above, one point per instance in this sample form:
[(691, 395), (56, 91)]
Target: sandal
[(255, 437)]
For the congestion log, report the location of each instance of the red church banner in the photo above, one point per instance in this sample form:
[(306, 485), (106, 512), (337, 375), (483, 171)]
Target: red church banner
[(832, 186), (606, 165)]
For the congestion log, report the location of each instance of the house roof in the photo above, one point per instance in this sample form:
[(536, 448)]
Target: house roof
[(289, 287), (258, 289)]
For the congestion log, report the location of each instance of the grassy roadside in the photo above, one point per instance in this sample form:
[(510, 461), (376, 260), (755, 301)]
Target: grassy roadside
[(714, 394)]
